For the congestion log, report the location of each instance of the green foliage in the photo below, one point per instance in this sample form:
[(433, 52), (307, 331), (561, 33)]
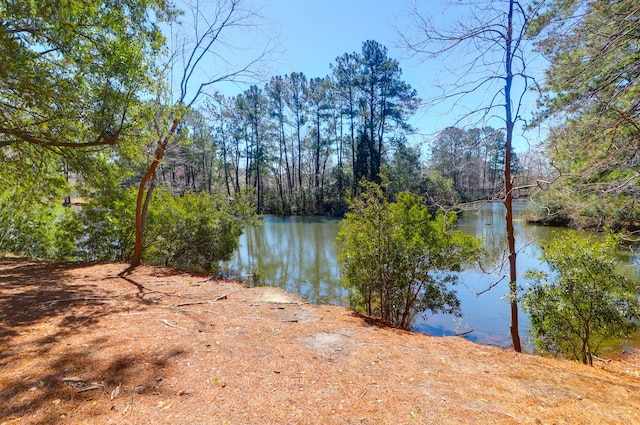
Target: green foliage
[(192, 232), (439, 192), (101, 230), (398, 261), (72, 68), (404, 169), (473, 159), (25, 228), (591, 96), (386, 103), (585, 301), (573, 204), (74, 75), (549, 207), (196, 231), (31, 191)]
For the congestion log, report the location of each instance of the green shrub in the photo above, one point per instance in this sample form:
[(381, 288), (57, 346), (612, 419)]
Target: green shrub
[(101, 230), (194, 232), (26, 223), (397, 260), (584, 302)]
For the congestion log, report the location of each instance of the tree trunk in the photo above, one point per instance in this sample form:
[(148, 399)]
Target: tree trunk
[(144, 195), (508, 185)]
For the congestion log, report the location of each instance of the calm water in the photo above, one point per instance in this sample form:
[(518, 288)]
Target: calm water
[(299, 255)]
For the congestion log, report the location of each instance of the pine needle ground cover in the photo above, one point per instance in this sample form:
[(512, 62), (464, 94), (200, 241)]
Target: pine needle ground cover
[(80, 344)]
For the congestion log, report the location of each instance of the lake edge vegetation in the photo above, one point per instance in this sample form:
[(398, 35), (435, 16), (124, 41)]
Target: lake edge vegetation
[(397, 260), (584, 301)]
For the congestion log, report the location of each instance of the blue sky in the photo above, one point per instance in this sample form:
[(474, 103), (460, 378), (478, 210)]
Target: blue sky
[(312, 33)]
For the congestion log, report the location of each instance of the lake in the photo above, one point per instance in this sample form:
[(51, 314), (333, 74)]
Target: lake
[(299, 255)]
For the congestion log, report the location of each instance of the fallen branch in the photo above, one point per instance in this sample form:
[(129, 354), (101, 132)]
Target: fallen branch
[(601, 359), (191, 303), (406, 346), (212, 278), (164, 312), (166, 322), (116, 391), (90, 387), (66, 300), (80, 385), (221, 297)]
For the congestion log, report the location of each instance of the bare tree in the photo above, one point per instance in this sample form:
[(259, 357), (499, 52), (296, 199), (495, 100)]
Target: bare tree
[(487, 47), (198, 64)]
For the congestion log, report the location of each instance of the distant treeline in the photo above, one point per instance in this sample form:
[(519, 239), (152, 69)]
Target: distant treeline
[(305, 143)]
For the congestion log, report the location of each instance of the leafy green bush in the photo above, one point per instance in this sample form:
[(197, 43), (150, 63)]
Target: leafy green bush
[(27, 230), (439, 192), (193, 232), (586, 301), (584, 207), (102, 229), (397, 260), (27, 221), (549, 207)]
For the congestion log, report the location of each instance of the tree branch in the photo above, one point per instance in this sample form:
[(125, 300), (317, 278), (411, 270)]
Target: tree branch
[(20, 136)]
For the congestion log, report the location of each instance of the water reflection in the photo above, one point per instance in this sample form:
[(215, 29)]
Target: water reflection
[(299, 255)]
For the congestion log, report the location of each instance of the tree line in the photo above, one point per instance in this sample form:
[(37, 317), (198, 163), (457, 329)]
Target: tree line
[(302, 142), (305, 143)]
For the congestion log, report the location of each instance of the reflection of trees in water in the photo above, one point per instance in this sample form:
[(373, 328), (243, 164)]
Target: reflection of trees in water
[(323, 268), (317, 278), (297, 254), (487, 222)]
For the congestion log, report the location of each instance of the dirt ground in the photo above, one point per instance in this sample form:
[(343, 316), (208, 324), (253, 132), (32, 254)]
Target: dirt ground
[(81, 345)]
